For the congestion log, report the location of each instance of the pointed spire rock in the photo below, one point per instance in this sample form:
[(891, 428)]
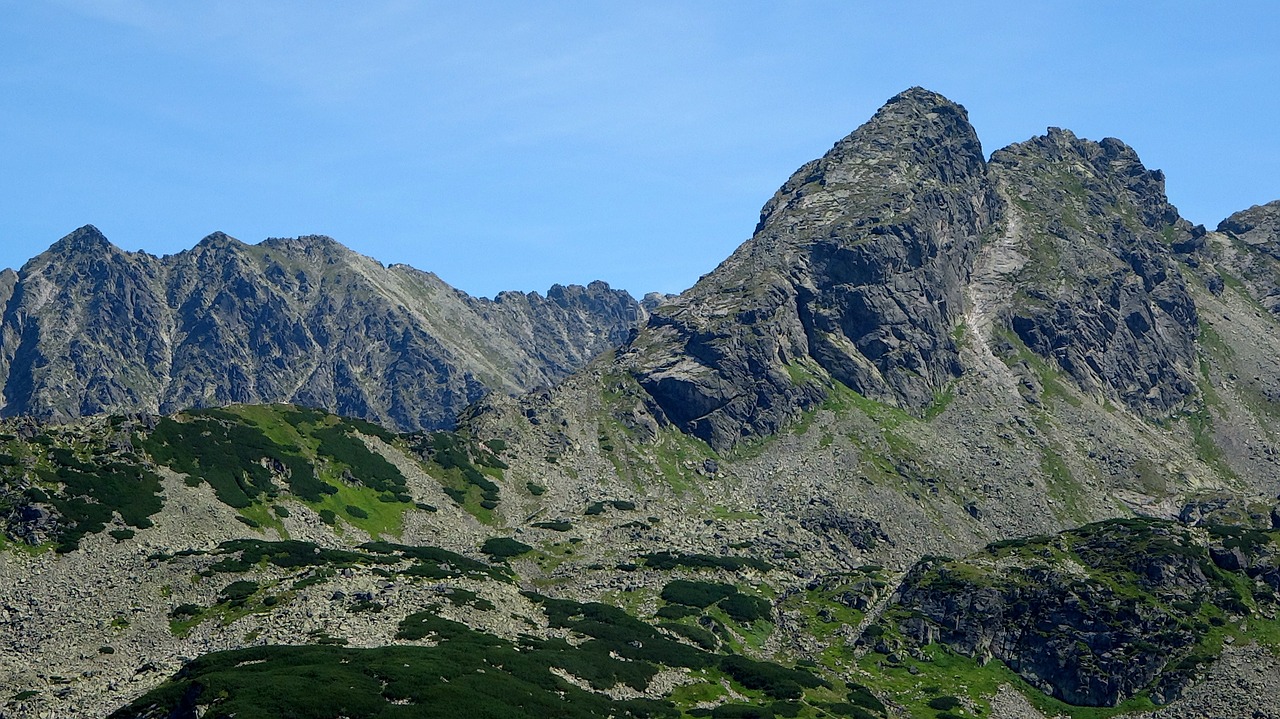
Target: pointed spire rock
[(916, 135), (86, 239)]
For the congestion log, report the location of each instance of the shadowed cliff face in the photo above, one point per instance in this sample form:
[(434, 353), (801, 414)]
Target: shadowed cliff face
[(854, 272), (89, 329)]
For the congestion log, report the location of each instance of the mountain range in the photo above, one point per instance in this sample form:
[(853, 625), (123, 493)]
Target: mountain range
[(950, 435), (89, 329)]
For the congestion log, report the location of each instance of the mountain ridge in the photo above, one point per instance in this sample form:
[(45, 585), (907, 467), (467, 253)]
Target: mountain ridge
[(230, 322)]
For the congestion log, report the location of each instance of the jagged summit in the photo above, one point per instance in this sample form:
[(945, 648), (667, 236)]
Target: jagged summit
[(860, 271), (217, 239), (1259, 226), (317, 245), (1102, 297), (853, 273), (87, 239), (917, 131), (87, 329)]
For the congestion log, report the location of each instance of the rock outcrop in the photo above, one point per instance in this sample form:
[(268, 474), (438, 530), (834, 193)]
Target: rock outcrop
[(1258, 227), (1098, 614), (1101, 296), (1252, 253)]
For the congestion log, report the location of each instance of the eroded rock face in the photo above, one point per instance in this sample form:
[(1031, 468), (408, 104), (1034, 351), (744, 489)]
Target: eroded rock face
[(88, 329), (1258, 226), (1101, 296), (854, 272), (1251, 253)]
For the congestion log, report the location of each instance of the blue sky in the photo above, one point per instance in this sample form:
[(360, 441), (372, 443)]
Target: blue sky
[(512, 145)]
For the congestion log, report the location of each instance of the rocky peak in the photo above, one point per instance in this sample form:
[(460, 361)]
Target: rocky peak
[(213, 252), (1245, 248), (217, 240), (87, 239), (654, 300), (1258, 227), (83, 317), (917, 136), (309, 245), (88, 328), (74, 254), (860, 266), (1108, 165), (568, 295), (854, 273)]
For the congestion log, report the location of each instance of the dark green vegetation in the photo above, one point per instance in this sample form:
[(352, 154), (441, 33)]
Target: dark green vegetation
[(1153, 590), (217, 448), (461, 464), (466, 675), (597, 508), (247, 454), (242, 555), (696, 594), (670, 560), (504, 547), (473, 674), (742, 608), (313, 564), (556, 526), (91, 493), (62, 485)]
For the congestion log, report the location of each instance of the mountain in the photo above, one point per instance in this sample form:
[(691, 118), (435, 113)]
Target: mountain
[(863, 267), (854, 271), (88, 329), (922, 351), (950, 435)]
